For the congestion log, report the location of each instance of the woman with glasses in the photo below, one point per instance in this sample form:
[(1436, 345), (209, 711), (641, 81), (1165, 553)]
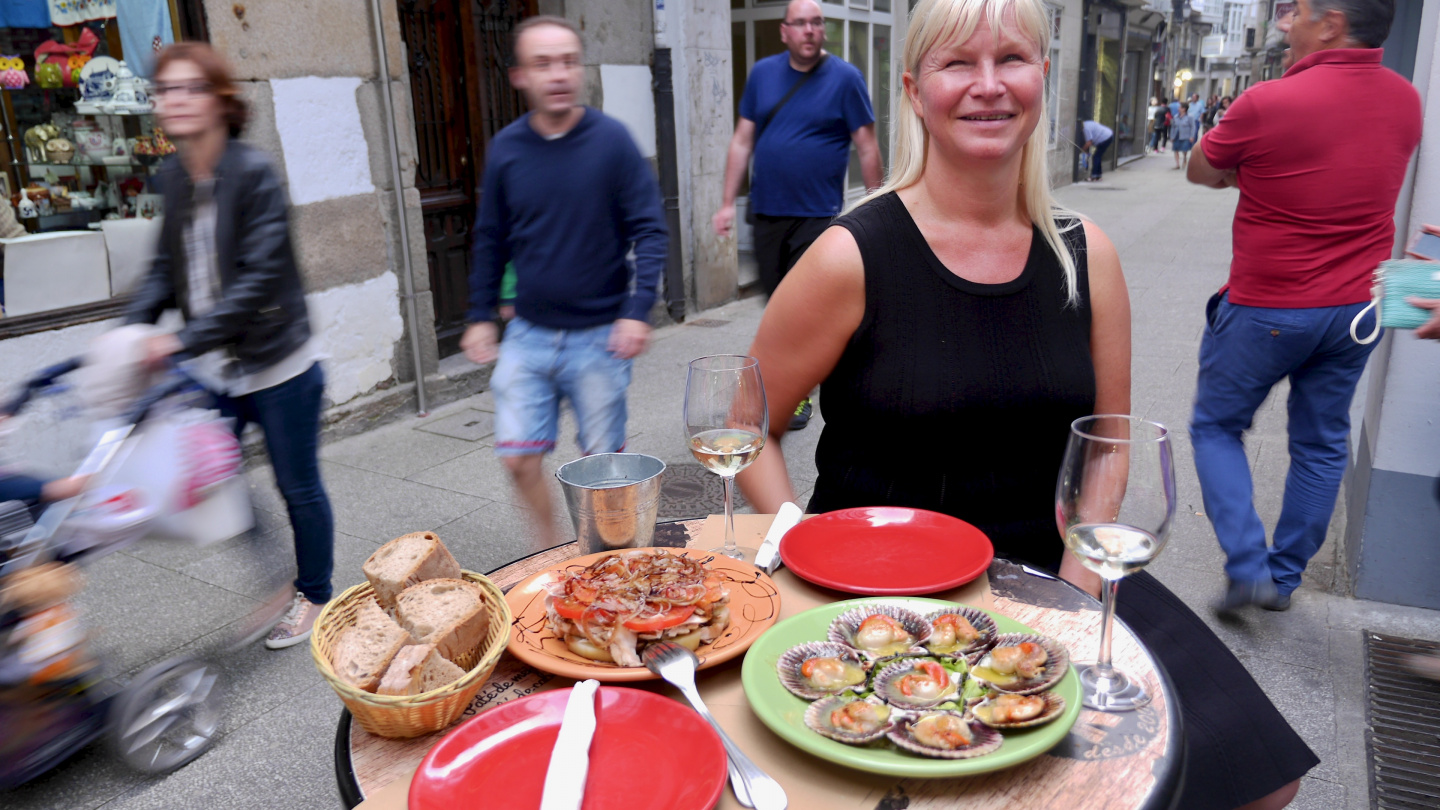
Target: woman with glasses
[(957, 322), (225, 261)]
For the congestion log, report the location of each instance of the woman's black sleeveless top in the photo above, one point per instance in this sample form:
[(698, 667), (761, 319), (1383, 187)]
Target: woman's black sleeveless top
[(954, 396)]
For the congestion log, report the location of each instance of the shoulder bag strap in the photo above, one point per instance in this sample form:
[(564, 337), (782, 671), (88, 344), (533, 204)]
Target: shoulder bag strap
[(763, 123)]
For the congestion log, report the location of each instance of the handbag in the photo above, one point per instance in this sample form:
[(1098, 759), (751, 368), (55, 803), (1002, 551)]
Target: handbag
[(1394, 282), (770, 116)]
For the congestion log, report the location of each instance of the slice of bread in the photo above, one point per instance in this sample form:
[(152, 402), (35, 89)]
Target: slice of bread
[(418, 668), (364, 651), (449, 613), (408, 560)]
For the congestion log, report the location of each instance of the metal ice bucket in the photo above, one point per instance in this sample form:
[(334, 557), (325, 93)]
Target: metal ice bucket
[(613, 499)]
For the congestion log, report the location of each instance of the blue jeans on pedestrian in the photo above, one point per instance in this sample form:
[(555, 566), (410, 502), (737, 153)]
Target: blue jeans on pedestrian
[(539, 367), (1244, 353), (1097, 153), (289, 414)]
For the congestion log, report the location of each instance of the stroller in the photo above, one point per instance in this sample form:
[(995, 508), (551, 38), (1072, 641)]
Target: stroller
[(54, 696)]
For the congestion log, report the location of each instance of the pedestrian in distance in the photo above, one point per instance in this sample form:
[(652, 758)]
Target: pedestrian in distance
[(1098, 138), (1315, 218), (565, 194), (1157, 124), (225, 260), (913, 311), (800, 112), (1184, 131)]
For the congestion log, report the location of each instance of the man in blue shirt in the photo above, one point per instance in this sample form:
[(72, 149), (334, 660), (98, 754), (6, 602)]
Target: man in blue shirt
[(565, 197), (1098, 138), (800, 136)]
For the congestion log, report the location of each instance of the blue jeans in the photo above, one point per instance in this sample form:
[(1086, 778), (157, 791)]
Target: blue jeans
[(289, 413), (1097, 154), (538, 367), (1244, 353)]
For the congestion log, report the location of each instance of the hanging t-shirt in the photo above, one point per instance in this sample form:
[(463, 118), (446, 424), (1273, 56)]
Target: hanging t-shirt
[(144, 30), (801, 155), (74, 12), (25, 14)]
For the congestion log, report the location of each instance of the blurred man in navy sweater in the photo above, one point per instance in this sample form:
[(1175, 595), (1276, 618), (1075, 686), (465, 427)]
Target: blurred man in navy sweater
[(566, 195)]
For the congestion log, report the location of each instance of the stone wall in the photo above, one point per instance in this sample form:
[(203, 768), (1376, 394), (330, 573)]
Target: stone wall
[(309, 70), (1062, 152)]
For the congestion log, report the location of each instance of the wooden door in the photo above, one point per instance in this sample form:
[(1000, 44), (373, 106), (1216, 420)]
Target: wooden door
[(461, 97)]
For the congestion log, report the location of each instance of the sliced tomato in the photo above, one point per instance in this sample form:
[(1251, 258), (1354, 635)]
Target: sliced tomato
[(669, 618), (570, 608), (583, 591)]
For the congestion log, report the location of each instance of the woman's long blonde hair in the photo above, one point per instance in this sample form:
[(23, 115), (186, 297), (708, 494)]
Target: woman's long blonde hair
[(935, 22)]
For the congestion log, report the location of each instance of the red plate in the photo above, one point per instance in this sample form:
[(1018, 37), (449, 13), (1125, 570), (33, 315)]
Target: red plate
[(886, 551), (648, 751)]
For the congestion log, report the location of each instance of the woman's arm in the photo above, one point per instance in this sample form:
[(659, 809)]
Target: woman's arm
[(806, 327), (1109, 351)]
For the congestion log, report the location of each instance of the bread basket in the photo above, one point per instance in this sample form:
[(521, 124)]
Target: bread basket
[(403, 716)]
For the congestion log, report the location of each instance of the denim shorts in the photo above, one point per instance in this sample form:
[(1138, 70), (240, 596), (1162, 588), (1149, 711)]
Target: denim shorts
[(1183, 144), (538, 367)]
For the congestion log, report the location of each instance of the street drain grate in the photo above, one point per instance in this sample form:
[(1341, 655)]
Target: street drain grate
[(1402, 725), (706, 323)]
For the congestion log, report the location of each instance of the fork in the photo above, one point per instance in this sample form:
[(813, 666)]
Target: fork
[(753, 787)]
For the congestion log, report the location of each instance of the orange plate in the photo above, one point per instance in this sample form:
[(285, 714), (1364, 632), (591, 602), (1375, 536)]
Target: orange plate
[(754, 606)]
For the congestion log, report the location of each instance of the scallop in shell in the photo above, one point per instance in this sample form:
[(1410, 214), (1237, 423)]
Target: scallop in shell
[(849, 720), (917, 683), (821, 668), (1023, 663), (880, 630), (1007, 710), (944, 735), (951, 630)]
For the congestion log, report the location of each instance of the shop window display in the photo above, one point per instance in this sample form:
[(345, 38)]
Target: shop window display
[(79, 149)]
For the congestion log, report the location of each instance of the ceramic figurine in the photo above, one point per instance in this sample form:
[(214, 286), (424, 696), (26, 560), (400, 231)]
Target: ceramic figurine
[(12, 72), (59, 150), (35, 139), (74, 65), (129, 95), (50, 75), (26, 209)]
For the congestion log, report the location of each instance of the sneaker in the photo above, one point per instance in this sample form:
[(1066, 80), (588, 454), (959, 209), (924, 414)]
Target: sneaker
[(297, 625), (1240, 594), (801, 418)]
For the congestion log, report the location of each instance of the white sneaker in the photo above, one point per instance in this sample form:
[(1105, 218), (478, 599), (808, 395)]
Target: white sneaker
[(297, 625)]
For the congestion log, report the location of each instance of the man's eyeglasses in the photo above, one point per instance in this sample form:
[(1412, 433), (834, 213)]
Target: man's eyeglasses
[(184, 90), (818, 24)]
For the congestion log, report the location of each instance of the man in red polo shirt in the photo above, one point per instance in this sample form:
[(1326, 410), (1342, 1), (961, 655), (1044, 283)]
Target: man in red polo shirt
[(1319, 156)]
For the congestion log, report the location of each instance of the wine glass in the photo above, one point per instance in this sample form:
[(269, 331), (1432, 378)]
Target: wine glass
[(726, 424), (1114, 503)]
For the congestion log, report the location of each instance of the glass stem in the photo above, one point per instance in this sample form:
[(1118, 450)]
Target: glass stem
[(1108, 592), (730, 549)]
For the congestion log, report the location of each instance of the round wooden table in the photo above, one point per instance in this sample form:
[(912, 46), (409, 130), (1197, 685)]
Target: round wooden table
[(1123, 761)]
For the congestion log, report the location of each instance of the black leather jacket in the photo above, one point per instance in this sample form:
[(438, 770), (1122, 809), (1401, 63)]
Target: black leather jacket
[(260, 315)]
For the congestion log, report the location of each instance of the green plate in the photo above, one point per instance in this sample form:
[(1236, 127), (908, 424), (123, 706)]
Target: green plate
[(785, 714)]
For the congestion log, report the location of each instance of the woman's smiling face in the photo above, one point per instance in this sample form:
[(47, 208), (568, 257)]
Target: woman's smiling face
[(981, 99)]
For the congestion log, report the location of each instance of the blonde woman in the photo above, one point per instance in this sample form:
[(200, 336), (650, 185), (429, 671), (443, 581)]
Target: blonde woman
[(957, 322)]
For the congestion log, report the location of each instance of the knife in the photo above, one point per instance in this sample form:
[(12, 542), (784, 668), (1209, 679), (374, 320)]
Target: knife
[(570, 759), (767, 558)]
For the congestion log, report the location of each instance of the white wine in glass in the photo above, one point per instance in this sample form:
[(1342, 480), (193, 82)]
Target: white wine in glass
[(1114, 500), (726, 423)]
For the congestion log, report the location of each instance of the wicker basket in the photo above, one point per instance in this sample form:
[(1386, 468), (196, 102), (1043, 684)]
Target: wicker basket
[(403, 716)]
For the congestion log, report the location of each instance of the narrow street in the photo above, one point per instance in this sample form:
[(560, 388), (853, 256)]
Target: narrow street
[(439, 473)]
